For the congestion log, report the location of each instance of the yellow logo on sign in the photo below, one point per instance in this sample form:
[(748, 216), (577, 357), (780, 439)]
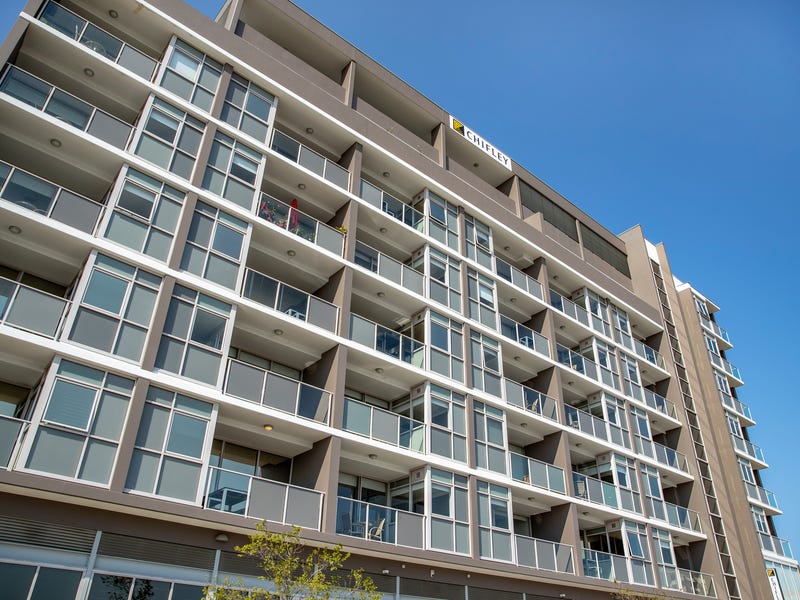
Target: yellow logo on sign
[(458, 126)]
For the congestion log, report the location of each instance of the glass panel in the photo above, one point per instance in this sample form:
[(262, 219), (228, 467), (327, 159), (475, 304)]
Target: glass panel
[(16, 580), (97, 461), (55, 452), (70, 405), (178, 479), (186, 435), (52, 583)]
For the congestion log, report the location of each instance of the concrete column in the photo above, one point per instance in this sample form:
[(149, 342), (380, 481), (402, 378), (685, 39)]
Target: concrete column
[(439, 143), (351, 160), (126, 442), (348, 83)]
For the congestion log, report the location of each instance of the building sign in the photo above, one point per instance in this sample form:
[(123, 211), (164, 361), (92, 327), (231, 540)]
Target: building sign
[(774, 584), (481, 143)]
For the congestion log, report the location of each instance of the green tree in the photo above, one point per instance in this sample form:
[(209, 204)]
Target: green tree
[(296, 571)]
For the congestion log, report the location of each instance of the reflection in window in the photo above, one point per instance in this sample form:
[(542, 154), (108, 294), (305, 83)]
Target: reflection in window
[(170, 138), (191, 75)]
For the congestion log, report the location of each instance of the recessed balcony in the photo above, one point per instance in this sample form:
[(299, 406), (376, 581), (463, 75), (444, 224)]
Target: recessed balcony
[(536, 473), (677, 516), (544, 554), (765, 498), (687, 581), (373, 522), (289, 218), (30, 309), (384, 426), (309, 159)]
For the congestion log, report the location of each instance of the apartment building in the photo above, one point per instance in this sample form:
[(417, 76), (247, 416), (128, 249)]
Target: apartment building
[(247, 273)]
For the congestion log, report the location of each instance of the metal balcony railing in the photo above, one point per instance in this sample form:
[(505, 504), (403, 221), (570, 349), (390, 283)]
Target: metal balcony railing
[(714, 328), (98, 40), (383, 425), (389, 268), (584, 366), (300, 224), (759, 494), (749, 448), (379, 523), (723, 364), (684, 580), (735, 405), (614, 567), (254, 384), (65, 107), (250, 496), (536, 473), (286, 299), (29, 309), (662, 454), (387, 341), (673, 514), (529, 399), (776, 545), (524, 335), (517, 278), (313, 161), (397, 209), (544, 554)]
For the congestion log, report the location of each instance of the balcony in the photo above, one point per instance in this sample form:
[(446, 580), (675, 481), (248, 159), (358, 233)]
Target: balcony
[(530, 400), (257, 498), (33, 193), (572, 310), (12, 432), (383, 426), (614, 567), (289, 300), (714, 328), (776, 545), (389, 268), (397, 209), (748, 448), (65, 107), (544, 554), (659, 403), (588, 368), (387, 341), (29, 309), (758, 494), (586, 422), (517, 278), (662, 454), (736, 406), (603, 492), (525, 336), (379, 523), (723, 364), (644, 352), (536, 473), (103, 43), (290, 219), (265, 388), (313, 161), (677, 516), (684, 580)]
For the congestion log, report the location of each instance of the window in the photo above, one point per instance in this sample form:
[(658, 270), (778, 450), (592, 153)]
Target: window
[(651, 484), (701, 306), (747, 470), (625, 469), (116, 308), (247, 107), (214, 245), (635, 537), (630, 376), (760, 520), (446, 347), (663, 547), (448, 424), (191, 75), (232, 171), (617, 421), (169, 448), (490, 434), (80, 424), (119, 587), (443, 221), (485, 357), (47, 582), (449, 512), (605, 250), (444, 279), (482, 307), (194, 336), (711, 344), (478, 237), (598, 308), (641, 432), (622, 327), (723, 385), (170, 138), (535, 202), (145, 215), (494, 532)]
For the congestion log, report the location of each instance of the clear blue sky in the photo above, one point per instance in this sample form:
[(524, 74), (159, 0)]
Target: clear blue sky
[(680, 115)]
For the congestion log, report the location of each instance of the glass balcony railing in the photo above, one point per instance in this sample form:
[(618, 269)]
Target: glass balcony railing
[(65, 107), (12, 432), (641, 350), (517, 278), (749, 448), (29, 309), (300, 224), (569, 308), (258, 498), (288, 300), (585, 422), (529, 399), (723, 364), (584, 366), (524, 335), (536, 473), (379, 523), (673, 514), (389, 268), (659, 403), (776, 545), (387, 341), (254, 384), (383, 425), (397, 209), (313, 161), (97, 40), (544, 554), (759, 494), (735, 405), (684, 580), (602, 492), (42, 197), (714, 328), (603, 565), (662, 454)]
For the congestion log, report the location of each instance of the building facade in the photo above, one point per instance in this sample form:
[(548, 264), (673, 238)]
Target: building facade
[(247, 273)]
